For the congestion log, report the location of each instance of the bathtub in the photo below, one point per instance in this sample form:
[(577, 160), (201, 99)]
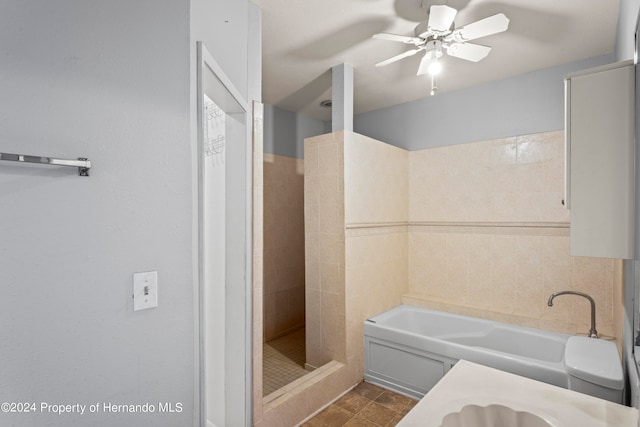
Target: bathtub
[(409, 349)]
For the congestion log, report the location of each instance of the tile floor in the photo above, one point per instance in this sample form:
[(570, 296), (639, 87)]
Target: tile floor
[(283, 361), (367, 405)]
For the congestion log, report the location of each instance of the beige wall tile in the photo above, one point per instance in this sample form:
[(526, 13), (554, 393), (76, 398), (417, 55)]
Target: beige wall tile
[(328, 159), (313, 324), (325, 247), (374, 283), (514, 275), (380, 196), (510, 180), (530, 149)]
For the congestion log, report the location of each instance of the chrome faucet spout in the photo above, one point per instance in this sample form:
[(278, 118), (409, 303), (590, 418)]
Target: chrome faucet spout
[(592, 332)]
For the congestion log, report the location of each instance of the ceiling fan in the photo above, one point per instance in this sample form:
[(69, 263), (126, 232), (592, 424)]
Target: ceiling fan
[(436, 36)]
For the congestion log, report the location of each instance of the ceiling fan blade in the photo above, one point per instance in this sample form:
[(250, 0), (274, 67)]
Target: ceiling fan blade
[(482, 28), (397, 38), (440, 18), (469, 51), (398, 57)]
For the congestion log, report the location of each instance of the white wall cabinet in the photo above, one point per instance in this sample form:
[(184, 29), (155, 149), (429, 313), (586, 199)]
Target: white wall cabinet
[(600, 159)]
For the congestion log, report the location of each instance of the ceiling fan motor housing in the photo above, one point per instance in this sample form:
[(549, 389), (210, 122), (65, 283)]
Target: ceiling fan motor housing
[(434, 45), (423, 28)]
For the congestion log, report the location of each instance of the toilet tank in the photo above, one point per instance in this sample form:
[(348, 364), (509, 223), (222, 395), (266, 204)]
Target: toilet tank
[(594, 368), (596, 390)]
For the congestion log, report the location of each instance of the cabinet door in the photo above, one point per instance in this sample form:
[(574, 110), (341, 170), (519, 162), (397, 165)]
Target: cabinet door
[(600, 161)]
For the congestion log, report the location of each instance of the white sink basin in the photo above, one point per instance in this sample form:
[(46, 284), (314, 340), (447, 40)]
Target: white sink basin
[(469, 393), (492, 416)]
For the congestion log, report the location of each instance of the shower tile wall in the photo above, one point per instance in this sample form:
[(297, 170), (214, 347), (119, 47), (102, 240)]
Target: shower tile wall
[(376, 214), (376, 177), (324, 243), (489, 235), (284, 306), (357, 240)]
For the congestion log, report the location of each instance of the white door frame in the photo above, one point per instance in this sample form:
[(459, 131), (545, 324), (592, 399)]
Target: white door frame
[(238, 259)]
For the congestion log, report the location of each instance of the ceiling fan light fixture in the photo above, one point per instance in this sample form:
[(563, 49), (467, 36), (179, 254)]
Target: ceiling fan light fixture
[(432, 65), (435, 67)]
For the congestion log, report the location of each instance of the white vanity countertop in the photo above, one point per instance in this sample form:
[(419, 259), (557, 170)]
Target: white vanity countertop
[(470, 383)]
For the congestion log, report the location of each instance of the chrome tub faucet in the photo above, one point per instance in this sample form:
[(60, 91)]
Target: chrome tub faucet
[(592, 332)]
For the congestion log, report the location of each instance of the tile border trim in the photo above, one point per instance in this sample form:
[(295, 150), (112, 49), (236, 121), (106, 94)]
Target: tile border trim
[(506, 227)]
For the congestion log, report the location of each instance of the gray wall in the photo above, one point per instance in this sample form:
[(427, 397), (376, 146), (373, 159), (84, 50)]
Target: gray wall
[(528, 103), (523, 104), (284, 131), (109, 81)]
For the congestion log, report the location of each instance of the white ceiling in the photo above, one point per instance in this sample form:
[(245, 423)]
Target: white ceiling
[(304, 39)]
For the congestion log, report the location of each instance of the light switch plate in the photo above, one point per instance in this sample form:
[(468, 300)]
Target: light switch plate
[(145, 290)]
